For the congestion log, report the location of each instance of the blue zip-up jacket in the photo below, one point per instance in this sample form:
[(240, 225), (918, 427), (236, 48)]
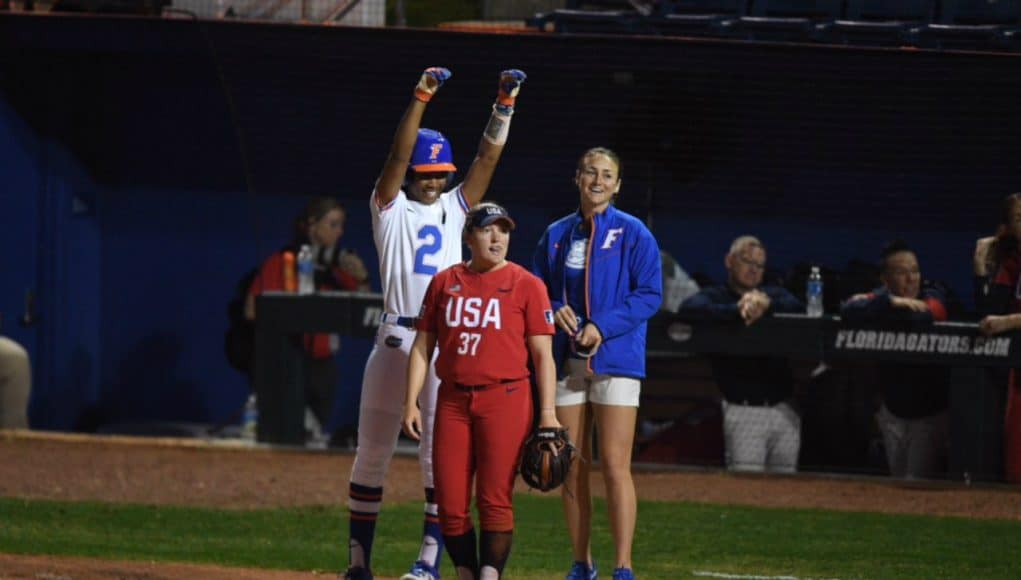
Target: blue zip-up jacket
[(623, 287)]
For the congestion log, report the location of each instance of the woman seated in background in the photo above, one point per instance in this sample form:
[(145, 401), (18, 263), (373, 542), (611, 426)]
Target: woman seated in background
[(320, 226)]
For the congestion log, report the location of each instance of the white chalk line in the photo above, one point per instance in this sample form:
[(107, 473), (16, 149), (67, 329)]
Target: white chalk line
[(708, 574)]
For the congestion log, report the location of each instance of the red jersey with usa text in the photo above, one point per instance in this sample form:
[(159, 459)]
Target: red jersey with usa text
[(482, 320)]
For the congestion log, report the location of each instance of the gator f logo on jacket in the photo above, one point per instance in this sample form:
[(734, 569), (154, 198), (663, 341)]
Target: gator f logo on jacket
[(612, 235)]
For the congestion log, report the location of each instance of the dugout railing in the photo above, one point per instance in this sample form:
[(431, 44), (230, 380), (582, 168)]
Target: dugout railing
[(833, 365), (679, 387)]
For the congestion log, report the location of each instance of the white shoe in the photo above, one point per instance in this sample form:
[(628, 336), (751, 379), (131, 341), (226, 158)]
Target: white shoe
[(421, 571)]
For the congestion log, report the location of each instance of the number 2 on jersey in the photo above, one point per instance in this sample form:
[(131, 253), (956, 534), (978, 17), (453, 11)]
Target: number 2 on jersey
[(469, 343), (432, 246)]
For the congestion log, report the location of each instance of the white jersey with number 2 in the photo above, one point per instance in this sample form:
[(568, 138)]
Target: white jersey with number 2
[(414, 241)]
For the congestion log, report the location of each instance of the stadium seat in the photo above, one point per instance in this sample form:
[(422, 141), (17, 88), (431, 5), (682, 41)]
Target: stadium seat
[(881, 22), (568, 21), (790, 20), (973, 24), (1012, 39), (698, 17), (641, 6)]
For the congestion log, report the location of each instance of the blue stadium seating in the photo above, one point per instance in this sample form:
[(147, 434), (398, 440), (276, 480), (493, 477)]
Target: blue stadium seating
[(939, 24), (881, 22), (569, 21), (973, 24), (605, 5), (698, 17), (788, 20)]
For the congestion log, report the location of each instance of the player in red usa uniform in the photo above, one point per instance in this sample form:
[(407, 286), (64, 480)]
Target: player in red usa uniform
[(486, 317)]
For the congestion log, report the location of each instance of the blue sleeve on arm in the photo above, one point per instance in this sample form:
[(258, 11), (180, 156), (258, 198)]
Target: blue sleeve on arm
[(866, 309), (879, 308), (709, 304)]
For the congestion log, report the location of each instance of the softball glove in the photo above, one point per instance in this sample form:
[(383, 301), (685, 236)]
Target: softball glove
[(546, 458)]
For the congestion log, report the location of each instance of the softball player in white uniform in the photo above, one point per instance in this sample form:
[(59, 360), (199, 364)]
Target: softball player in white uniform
[(417, 231)]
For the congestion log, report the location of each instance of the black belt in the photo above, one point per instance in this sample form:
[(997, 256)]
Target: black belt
[(470, 388)]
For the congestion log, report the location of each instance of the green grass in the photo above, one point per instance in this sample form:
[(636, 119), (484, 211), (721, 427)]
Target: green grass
[(673, 540)]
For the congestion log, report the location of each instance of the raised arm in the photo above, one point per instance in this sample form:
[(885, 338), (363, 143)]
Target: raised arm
[(494, 137), (396, 165)]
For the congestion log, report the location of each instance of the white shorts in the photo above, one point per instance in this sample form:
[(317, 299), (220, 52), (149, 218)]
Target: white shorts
[(579, 387)]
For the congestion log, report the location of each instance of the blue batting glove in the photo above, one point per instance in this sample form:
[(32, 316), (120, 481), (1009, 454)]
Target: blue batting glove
[(510, 84), (431, 81)]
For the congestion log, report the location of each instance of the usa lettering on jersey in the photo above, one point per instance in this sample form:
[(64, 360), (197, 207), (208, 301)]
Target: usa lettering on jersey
[(470, 312)]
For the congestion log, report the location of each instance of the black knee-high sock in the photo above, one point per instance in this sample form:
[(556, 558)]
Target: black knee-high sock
[(462, 550), (364, 505), (494, 549)]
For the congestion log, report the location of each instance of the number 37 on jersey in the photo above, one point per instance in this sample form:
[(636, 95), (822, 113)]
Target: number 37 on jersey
[(472, 315)]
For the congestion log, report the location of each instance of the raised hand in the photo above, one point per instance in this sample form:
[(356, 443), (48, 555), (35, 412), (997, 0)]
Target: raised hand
[(510, 84), (431, 81)]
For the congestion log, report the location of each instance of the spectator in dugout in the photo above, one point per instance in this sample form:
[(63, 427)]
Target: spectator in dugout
[(915, 398), (761, 429), (997, 266), (320, 225)]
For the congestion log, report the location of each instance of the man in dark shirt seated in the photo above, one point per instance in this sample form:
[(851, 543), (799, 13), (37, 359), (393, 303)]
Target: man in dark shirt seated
[(761, 430), (913, 416)]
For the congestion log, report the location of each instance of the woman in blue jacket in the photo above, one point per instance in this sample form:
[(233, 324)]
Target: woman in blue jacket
[(602, 269)]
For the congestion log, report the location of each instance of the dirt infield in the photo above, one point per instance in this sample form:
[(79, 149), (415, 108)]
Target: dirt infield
[(189, 472)]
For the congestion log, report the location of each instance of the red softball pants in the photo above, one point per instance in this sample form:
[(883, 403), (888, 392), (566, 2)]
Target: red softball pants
[(477, 435)]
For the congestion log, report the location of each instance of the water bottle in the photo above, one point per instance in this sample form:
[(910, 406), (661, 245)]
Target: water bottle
[(250, 419), (306, 271), (813, 293)]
